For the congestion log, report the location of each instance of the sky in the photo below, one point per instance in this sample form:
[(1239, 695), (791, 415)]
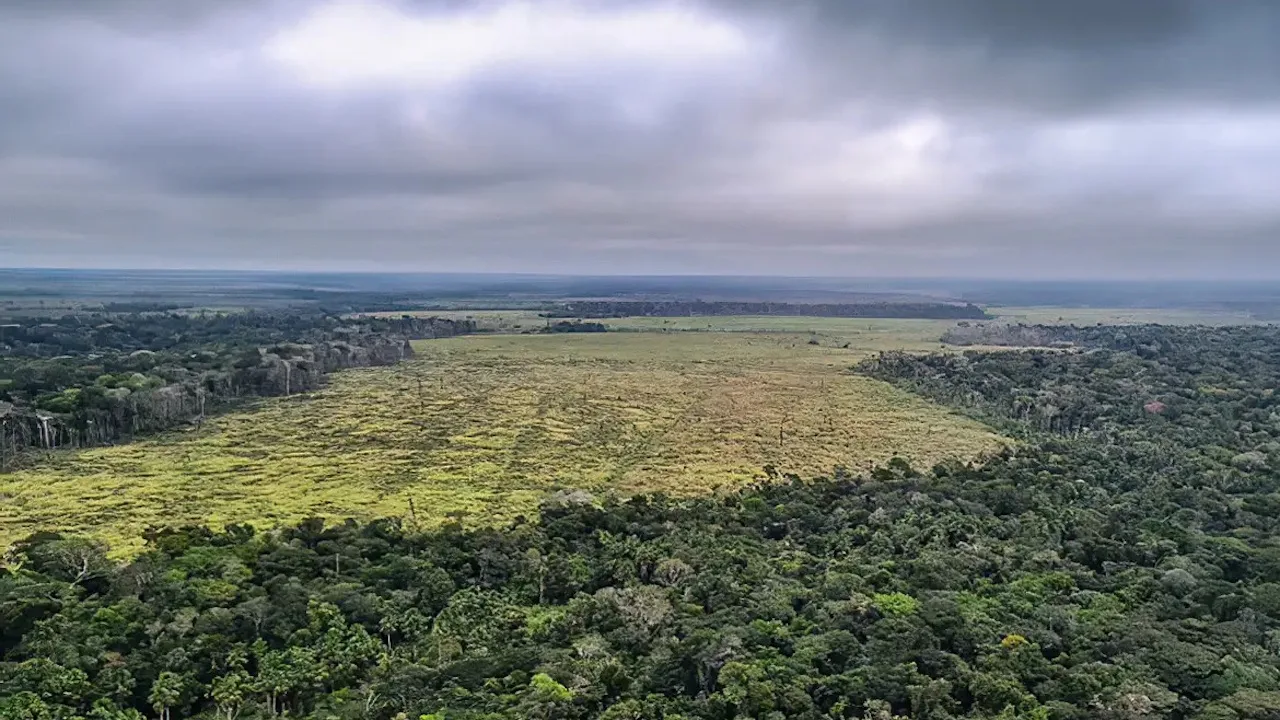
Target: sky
[(984, 138)]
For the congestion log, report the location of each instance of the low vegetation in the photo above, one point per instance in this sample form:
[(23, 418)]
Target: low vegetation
[(679, 308), (1123, 316), (481, 427)]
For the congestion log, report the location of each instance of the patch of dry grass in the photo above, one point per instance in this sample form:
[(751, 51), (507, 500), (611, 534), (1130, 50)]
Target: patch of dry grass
[(483, 426)]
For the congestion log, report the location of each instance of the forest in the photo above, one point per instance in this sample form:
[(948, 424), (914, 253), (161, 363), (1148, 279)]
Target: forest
[(576, 326), (89, 379), (1123, 561)]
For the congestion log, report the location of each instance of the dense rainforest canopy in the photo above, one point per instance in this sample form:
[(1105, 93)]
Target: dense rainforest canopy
[(1122, 562)]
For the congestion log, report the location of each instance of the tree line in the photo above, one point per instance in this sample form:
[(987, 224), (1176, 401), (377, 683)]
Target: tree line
[(83, 380), (574, 326)]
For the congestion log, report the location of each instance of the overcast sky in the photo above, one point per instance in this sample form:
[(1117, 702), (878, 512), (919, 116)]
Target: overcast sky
[(1029, 138)]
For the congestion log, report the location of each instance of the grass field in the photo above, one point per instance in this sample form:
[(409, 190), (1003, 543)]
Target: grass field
[(1120, 316), (893, 330), (483, 426)]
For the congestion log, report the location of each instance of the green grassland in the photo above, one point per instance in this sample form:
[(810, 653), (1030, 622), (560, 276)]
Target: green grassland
[(486, 320), (864, 332), (483, 426), (1120, 316), (860, 334)]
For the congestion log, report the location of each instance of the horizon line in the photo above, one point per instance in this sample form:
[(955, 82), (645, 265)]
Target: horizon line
[(607, 275)]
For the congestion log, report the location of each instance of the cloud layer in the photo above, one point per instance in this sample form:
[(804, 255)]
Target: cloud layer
[(835, 137)]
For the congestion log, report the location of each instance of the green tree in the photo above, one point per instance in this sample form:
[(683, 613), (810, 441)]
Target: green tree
[(547, 698), (166, 692)]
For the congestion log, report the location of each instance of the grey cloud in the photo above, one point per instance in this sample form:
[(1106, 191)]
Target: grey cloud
[(91, 91), (1049, 56), (1062, 145), (1016, 25), (133, 16)]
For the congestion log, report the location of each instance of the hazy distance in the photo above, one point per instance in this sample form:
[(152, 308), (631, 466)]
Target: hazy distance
[(959, 138)]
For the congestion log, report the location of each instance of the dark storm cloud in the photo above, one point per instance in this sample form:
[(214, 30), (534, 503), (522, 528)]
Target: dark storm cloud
[(879, 136), (1049, 56), (1008, 25)]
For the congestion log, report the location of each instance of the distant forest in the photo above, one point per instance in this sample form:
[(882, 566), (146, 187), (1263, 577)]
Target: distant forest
[(672, 308)]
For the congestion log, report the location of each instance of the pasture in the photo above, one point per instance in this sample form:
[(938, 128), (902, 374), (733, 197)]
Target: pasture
[(480, 428), (1120, 316)]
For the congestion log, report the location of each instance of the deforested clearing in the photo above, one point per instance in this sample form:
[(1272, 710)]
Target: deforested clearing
[(481, 428)]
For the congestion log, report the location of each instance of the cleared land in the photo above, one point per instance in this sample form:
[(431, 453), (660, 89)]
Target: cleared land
[(483, 426), (862, 334), (1120, 316), (862, 329)]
